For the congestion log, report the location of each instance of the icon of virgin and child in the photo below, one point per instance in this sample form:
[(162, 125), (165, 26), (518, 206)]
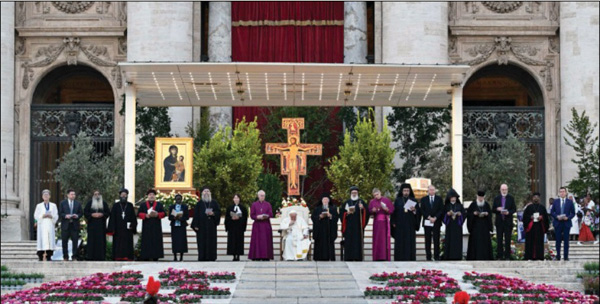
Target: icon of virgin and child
[(174, 166)]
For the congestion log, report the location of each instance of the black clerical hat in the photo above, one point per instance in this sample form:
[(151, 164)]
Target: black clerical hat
[(353, 188), (452, 193), (151, 191), (123, 190), (323, 195), (178, 194), (536, 193), (406, 186), (481, 193)]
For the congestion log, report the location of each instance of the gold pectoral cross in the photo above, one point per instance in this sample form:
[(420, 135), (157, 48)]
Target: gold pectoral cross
[(293, 153)]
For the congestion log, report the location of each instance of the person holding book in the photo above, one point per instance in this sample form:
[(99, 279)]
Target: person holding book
[(236, 219), (178, 215), (207, 216)]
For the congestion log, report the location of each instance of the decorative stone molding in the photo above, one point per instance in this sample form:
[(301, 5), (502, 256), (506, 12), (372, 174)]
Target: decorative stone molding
[(96, 54), (502, 7), (513, 18), (536, 54), (123, 46), (73, 7)]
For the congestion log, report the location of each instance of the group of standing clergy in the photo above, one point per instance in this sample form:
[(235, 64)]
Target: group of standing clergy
[(400, 219)]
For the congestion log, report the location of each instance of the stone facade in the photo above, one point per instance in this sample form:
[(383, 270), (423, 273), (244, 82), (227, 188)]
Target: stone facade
[(38, 36)]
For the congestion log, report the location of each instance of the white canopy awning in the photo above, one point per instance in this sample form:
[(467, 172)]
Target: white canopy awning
[(292, 84)]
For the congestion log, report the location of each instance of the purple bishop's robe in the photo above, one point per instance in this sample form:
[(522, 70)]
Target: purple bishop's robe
[(261, 243), (381, 228)]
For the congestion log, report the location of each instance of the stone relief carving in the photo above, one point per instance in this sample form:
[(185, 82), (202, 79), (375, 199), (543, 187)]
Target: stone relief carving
[(19, 46), (122, 45), (503, 7), (102, 7), (20, 13), (471, 7), (452, 11), (554, 45), (533, 7), (123, 13), (72, 7), (98, 55), (554, 11), (504, 47)]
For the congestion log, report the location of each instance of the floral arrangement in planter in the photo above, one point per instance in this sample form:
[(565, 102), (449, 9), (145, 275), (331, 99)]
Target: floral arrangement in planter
[(422, 286), (139, 297), (26, 277), (222, 277), (168, 199), (73, 297), (190, 298), (495, 288), (205, 291), (289, 202)]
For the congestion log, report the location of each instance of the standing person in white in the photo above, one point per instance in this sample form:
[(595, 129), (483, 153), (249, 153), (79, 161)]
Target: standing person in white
[(46, 216)]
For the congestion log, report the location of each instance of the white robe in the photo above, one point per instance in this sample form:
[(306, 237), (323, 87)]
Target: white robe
[(45, 226), (295, 245)]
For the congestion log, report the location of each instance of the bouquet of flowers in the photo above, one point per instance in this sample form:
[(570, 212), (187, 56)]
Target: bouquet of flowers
[(168, 199), (289, 202)]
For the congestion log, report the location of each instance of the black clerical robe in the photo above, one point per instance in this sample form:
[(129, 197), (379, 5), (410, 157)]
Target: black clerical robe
[(235, 229), (96, 232), (206, 229), (179, 228), (152, 236), (122, 215), (453, 243), (404, 226), (324, 233), (535, 231), (480, 240), (353, 229)]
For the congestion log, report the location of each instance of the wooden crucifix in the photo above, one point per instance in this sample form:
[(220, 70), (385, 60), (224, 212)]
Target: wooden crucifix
[(293, 153)]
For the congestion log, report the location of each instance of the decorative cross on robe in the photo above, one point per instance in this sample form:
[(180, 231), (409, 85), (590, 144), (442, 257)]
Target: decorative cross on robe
[(293, 153)]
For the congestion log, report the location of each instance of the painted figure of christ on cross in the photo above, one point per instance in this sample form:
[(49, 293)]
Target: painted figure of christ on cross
[(293, 153)]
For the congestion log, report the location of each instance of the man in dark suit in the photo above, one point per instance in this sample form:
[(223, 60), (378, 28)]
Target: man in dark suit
[(504, 208), (432, 208), (562, 211), (69, 212)]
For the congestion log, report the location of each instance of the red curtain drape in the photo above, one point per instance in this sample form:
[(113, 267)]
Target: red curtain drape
[(285, 32), (288, 32)]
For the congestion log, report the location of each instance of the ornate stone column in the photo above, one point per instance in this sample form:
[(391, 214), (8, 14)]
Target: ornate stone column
[(355, 32), (14, 225), (411, 33), (162, 31), (578, 73), (219, 50)]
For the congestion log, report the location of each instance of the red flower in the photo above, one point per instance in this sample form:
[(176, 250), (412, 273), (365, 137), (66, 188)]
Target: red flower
[(153, 286), (461, 297)]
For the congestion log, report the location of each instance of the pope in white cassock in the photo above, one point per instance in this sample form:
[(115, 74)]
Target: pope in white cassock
[(295, 237), (46, 216)]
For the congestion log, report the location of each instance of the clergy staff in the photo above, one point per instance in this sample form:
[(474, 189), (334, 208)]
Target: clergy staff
[(96, 213), (122, 225), (432, 209), (151, 212), (178, 216), (207, 216), (479, 224), (381, 207), (405, 223), (325, 226), (70, 212), (295, 237), (563, 211), (504, 208), (536, 222), (354, 215), (46, 216), (453, 219), (261, 242), (236, 219)]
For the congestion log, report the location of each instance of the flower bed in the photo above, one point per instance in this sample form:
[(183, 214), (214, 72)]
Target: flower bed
[(222, 277), (172, 278), (495, 288), (125, 285), (422, 286)]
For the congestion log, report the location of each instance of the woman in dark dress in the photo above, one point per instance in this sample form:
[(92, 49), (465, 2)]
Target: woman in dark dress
[(236, 219), (178, 215), (454, 218)]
